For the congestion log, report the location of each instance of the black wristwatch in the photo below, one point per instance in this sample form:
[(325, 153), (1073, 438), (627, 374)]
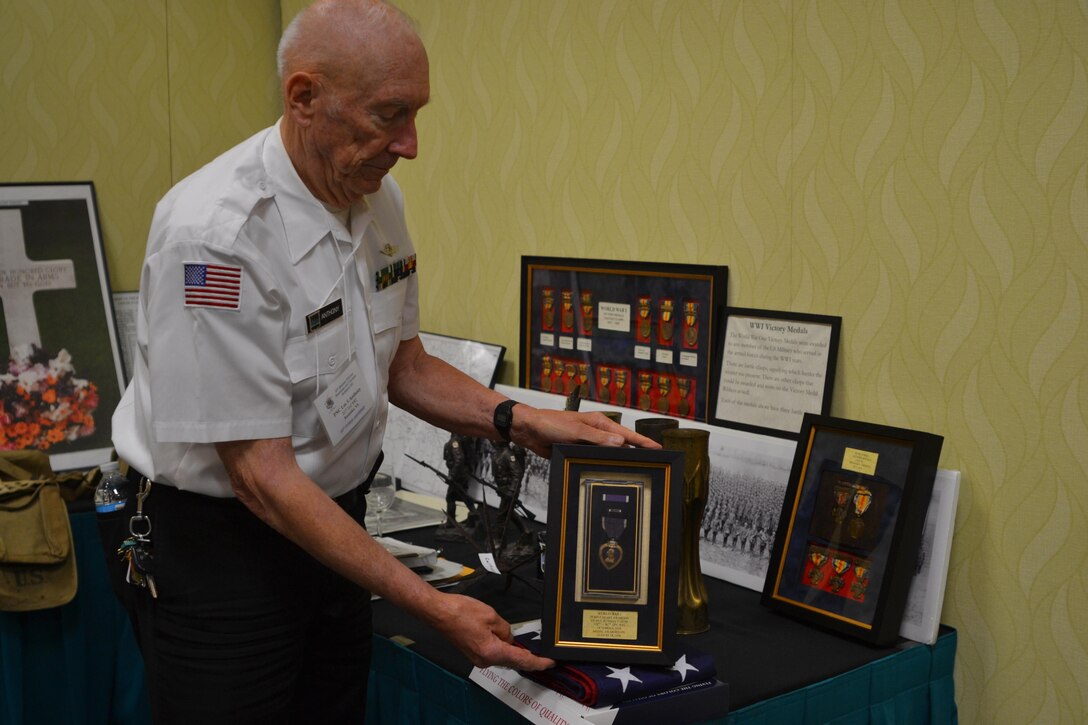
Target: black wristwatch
[(504, 418)]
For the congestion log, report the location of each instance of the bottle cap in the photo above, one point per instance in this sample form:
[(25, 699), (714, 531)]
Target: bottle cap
[(110, 467)]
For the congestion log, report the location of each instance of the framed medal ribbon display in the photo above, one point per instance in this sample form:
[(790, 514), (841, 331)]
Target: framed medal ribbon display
[(633, 334), (851, 524), (610, 587)]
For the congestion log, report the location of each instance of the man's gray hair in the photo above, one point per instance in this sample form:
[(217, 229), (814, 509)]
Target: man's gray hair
[(287, 41)]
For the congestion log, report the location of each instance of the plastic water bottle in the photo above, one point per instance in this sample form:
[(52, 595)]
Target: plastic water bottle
[(112, 491)]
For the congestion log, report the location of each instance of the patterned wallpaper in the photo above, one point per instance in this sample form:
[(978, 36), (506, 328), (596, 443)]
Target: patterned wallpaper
[(132, 96), (919, 168)]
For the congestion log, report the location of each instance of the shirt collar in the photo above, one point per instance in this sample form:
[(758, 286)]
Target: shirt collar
[(305, 220)]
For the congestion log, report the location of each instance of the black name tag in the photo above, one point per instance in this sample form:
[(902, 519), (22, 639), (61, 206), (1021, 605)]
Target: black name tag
[(328, 313)]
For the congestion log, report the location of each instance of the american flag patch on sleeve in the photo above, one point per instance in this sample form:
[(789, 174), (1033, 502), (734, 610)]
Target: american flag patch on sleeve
[(212, 285)]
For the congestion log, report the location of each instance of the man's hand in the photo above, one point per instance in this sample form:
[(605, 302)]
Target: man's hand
[(482, 635), (537, 429), (435, 391)]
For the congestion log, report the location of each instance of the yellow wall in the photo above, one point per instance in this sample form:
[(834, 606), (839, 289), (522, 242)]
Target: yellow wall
[(132, 96), (919, 168)]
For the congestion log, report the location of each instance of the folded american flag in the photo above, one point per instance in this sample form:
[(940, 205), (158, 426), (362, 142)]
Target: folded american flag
[(600, 685)]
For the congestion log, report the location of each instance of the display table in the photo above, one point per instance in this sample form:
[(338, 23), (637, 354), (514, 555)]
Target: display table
[(778, 669), (79, 663)]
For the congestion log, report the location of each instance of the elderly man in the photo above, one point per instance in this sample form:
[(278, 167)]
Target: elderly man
[(278, 317)]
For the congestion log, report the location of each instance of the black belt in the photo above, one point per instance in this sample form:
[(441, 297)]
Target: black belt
[(349, 499), (344, 500)]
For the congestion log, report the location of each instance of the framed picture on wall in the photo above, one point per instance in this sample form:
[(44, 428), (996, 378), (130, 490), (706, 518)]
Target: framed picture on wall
[(851, 524), (64, 374), (613, 548), (633, 334), (772, 367)]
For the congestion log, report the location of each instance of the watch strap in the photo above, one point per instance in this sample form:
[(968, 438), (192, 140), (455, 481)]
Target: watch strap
[(504, 418)]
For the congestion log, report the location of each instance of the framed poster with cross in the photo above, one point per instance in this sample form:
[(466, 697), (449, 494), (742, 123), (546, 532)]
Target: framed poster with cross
[(63, 372)]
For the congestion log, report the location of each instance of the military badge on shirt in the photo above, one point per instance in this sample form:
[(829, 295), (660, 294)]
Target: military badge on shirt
[(395, 272)]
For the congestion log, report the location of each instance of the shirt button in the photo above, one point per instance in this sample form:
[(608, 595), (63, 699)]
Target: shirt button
[(332, 361)]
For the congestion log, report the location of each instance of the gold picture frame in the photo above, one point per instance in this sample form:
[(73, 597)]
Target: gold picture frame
[(613, 547)]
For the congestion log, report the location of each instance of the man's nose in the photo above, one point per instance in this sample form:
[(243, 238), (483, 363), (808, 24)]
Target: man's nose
[(406, 143)]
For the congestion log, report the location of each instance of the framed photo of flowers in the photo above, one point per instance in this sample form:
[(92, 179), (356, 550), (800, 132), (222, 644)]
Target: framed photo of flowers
[(851, 525), (63, 374)]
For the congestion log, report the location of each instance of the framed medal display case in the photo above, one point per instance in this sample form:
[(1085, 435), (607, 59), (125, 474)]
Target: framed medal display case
[(633, 334), (771, 368), (613, 547), (851, 526)]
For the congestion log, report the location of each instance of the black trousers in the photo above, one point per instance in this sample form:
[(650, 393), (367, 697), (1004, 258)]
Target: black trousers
[(247, 627)]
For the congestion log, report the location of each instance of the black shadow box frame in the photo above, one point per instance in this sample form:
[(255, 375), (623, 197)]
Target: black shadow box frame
[(851, 525), (633, 334), (613, 551)]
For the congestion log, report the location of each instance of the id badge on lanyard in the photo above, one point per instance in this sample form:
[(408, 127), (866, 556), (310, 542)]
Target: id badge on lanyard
[(341, 404)]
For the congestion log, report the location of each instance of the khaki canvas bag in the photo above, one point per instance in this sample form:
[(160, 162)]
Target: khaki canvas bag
[(37, 560)]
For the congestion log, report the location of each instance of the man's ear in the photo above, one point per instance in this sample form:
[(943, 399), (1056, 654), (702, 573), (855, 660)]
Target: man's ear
[(300, 90)]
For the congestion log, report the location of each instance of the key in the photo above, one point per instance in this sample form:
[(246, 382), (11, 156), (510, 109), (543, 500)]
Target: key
[(132, 576), (124, 552), (143, 562)]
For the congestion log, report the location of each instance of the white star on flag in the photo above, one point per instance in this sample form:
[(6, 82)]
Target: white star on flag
[(623, 675), (683, 667)]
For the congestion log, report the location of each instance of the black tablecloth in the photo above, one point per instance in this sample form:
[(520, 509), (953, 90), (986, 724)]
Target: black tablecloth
[(759, 653)]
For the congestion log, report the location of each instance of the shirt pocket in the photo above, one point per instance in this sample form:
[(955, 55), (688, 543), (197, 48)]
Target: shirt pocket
[(322, 352), (387, 307), (386, 316)]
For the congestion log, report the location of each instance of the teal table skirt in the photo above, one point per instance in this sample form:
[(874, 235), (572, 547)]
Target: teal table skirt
[(78, 663), (913, 685)]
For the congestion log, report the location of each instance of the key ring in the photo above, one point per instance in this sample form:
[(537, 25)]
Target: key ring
[(141, 494), (132, 526)]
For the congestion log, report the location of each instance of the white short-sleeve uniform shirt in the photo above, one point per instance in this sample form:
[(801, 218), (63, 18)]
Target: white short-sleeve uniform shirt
[(239, 256)]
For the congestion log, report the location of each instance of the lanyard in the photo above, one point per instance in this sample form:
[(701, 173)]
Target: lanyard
[(340, 282)]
